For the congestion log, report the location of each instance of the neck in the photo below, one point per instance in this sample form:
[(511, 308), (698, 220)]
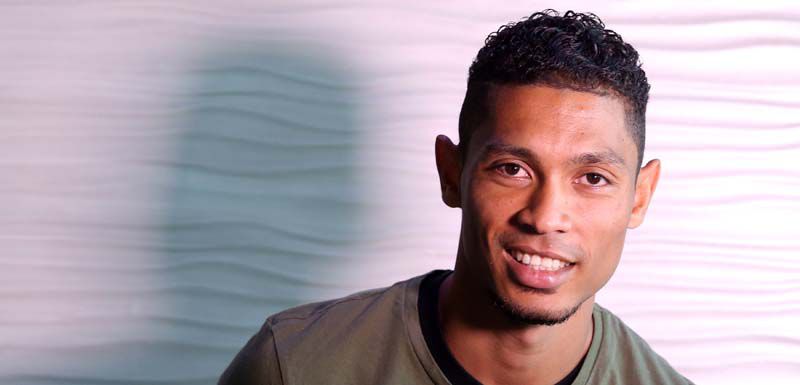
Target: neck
[(497, 350)]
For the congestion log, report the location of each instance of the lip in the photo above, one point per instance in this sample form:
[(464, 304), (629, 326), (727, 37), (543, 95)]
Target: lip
[(529, 250), (543, 280)]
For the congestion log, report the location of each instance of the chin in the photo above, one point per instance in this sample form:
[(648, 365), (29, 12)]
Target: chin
[(519, 314)]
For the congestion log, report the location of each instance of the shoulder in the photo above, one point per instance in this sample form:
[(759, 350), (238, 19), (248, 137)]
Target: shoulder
[(625, 357), (256, 363), (339, 314), (336, 340)]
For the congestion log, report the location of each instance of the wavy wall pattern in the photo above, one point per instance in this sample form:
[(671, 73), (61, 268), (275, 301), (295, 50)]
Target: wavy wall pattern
[(174, 173)]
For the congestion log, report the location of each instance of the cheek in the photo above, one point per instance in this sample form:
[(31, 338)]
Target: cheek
[(487, 214), (604, 224), (495, 207)]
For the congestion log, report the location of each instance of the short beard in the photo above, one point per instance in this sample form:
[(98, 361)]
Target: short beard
[(518, 315)]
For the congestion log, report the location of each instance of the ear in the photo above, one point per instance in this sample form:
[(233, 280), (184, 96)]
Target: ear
[(645, 187), (448, 162)]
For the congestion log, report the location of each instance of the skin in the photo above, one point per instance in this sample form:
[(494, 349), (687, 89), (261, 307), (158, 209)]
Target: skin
[(554, 170)]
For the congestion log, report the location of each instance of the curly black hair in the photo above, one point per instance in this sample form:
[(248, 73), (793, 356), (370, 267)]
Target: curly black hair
[(573, 51)]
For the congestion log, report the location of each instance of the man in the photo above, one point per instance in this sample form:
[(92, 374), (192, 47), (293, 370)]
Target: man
[(548, 177)]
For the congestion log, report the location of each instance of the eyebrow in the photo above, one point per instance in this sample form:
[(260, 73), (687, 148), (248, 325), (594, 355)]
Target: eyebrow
[(605, 156), (494, 148)]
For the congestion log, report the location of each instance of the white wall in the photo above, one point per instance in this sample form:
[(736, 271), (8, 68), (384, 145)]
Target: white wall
[(174, 172)]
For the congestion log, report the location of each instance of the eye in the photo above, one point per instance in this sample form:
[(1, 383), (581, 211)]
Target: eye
[(512, 170), (593, 179)]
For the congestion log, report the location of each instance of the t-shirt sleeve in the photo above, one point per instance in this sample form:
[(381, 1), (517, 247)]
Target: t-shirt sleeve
[(256, 363)]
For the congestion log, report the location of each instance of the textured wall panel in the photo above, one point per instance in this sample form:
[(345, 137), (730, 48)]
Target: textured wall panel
[(175, 172)]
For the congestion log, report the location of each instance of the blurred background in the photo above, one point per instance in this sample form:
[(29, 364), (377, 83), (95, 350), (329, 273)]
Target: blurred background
[(175, 172)]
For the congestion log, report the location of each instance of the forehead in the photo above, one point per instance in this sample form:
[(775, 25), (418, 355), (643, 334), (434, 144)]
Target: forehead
[(555, 122)]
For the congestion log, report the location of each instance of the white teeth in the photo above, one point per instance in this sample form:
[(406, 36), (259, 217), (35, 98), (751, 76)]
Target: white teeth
[(537, 262)]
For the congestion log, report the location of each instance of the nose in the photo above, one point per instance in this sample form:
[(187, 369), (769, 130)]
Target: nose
[(546, 210)]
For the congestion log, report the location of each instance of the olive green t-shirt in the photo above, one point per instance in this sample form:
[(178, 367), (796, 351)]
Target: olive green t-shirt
[(374, 337)]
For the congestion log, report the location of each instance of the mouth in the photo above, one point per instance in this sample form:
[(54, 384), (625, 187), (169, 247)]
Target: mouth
[(541, 271), (538, 261)]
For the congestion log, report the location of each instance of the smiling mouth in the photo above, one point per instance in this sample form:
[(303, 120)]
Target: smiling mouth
[(537, 262)]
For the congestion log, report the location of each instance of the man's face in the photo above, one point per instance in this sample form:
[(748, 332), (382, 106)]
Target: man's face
[(547, 191)]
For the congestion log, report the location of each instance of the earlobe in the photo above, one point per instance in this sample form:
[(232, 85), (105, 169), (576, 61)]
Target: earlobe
[(448, 162), (645, 188)]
